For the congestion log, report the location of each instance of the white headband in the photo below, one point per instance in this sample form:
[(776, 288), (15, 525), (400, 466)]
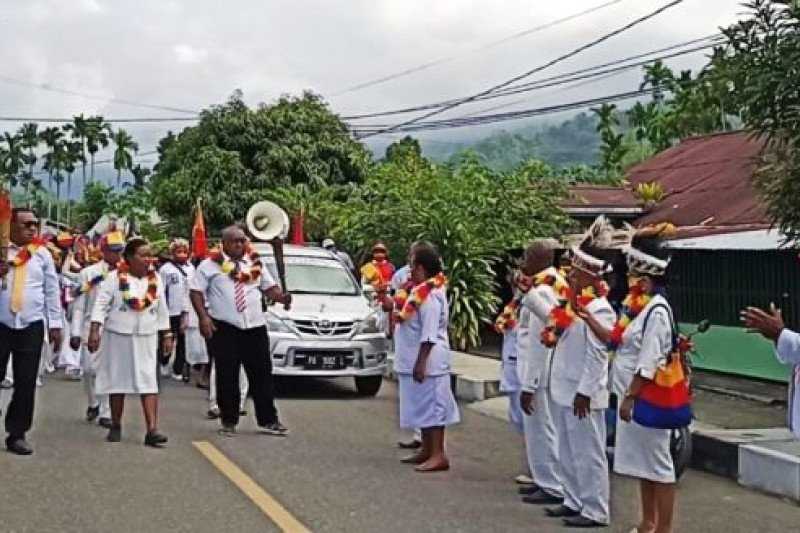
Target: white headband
[(584, 261), (643, 263)]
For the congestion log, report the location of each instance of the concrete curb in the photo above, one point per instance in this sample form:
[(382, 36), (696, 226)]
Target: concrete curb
[(466, 388)]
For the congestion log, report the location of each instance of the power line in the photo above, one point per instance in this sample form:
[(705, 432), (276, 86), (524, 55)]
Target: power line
[(559, 79), (436, 62), (111, 120), (47, 87), (532, 71), (500, 117)]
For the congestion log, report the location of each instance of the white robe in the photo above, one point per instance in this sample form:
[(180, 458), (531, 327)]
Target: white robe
[(509, 379), (128, 362), (788, 351), (639, 451)]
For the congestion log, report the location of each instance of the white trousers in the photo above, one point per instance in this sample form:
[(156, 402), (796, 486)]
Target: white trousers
[(244, 386), (541, 445), (90, 384), (584, 465)]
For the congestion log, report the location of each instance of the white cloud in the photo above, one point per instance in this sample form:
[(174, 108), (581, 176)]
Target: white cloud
[(185, 53)]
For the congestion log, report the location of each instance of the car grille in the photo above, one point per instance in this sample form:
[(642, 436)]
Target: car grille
[(324, 328)]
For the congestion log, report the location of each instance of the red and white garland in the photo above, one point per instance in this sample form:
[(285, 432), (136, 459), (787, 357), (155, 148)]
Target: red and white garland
[(418, 296), (563, 315), (232, 269)]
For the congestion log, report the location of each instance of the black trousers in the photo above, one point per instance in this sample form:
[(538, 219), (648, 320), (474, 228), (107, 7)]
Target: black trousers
[(24, 346), (179, 363), (232, 348)]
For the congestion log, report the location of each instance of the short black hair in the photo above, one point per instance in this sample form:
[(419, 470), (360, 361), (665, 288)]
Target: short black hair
[(17, 210), (429, 259), (133, 246)]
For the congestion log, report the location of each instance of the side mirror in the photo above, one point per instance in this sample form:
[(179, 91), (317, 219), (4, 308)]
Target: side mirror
[(703, 326)]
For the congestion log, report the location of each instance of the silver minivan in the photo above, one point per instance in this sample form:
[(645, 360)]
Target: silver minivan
[(332, 330)]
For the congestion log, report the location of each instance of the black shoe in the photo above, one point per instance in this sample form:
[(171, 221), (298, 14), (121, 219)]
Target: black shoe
[(92, 413), (18, 446), (562, 511), (213, 414), (410, 445), (527, 490), (542, 498), (276, 428), (114, 434), (155, 439), (104, 422), (582, 522), (243, 412)]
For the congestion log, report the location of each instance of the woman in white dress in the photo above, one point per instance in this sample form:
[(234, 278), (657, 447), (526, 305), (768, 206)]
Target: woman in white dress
[(422, 362), (132, 310), (641, 347)]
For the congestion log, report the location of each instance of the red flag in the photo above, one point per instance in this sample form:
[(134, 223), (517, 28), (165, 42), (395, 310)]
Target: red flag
[(297, 230), (199, 239)]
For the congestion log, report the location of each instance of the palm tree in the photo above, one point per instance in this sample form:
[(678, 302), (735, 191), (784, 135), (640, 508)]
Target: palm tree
[(30, 141), (123, 160), (52, 138), (73, 153), (14, 157), (97, 132), (79, 128)]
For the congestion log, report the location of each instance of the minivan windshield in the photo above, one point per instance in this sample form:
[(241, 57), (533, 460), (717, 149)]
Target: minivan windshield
[(315, 276)]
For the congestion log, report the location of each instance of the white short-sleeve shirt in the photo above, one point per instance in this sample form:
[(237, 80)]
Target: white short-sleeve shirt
[(219, 291), (428, 324)]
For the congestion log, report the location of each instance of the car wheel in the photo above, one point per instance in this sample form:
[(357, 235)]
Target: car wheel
[(369, 385)]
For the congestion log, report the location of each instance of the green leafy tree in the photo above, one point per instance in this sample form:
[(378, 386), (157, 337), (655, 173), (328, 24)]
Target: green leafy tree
[(760, 62), (74, 154), (140, 174), (235, 150), (13, 158), (51, 137), (613, 148), (79, 129), (124, 149)]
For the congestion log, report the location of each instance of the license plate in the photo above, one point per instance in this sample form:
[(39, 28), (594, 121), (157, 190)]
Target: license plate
[(325, 361)]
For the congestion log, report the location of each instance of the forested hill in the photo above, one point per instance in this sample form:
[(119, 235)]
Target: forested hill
[(571, 142)]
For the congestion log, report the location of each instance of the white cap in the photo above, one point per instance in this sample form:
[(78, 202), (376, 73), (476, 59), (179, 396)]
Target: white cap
[(328, 243)]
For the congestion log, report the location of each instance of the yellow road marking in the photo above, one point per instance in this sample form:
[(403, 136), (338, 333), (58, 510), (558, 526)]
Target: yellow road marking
[(268, 505)]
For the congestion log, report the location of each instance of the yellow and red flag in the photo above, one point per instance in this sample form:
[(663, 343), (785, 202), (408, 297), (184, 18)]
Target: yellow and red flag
[(199, 238)]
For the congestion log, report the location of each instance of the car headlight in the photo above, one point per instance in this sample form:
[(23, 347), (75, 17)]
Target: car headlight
[(275, 324), (371, 324)]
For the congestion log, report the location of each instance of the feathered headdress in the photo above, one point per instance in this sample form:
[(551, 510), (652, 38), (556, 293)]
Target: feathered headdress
[(586, 254), (642, 262)]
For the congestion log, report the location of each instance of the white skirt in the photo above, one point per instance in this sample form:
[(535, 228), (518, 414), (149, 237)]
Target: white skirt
[(196, 350), (515, 414), (427, 404), (643, 452), (127, 364)]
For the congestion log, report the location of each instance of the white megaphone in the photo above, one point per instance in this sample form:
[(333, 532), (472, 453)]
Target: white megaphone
[(266, 220)]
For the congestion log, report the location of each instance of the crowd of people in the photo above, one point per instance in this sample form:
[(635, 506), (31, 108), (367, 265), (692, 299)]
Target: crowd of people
[(567, 349), (131, 319)]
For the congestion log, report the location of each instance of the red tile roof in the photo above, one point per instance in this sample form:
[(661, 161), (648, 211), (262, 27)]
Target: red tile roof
[(707, 181), (600, 196)]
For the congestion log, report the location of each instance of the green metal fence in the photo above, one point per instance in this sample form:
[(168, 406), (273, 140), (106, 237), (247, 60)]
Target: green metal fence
[(717, 284)]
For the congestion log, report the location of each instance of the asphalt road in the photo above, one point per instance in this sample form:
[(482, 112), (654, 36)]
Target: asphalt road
[(337, 471)]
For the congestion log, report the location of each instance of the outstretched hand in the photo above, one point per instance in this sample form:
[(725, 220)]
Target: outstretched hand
[(767, 323)]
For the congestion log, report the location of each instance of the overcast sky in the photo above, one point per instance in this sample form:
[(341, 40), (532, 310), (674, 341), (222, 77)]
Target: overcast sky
[(193, 53)]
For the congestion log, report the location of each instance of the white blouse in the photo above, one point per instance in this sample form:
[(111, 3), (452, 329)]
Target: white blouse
[(642, 352), (427, 325), (111, 310)]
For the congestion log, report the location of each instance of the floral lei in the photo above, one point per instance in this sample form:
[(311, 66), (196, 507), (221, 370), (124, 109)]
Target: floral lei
[(232, 269), (509, 318), (150, 296), (90, 284), (562, 316), (418, 296), (25, 253), (632, 306)]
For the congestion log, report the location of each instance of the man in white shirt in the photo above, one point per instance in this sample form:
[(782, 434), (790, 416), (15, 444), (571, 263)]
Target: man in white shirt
[(232, 285), (30, 300), (89, 280), (787, 349), (175, 274)]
